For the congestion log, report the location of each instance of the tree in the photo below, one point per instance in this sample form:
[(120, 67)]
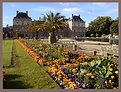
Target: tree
[(50, 22), (114, 27), (100, 25), (53, 23), (35, 27)]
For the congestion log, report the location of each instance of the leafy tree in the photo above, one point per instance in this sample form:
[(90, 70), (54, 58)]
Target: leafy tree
[(100, 25), (97, 35), (50, 22), (35, 27), (103, 35), (114, 27)]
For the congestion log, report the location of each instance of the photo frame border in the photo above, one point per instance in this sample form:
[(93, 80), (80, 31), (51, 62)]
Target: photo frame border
[(58, 90)]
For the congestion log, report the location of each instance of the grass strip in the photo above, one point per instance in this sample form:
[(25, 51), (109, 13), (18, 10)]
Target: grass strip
[(7, 52), (28, 74)]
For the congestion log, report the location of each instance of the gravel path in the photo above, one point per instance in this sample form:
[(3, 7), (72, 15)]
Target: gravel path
[(90, 46)]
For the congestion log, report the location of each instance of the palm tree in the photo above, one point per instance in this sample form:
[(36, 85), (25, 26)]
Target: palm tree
[(35, 27), (53, 23)]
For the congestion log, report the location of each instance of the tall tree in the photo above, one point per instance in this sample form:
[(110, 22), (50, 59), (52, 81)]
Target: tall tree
[(100, 25), (53, 23), (114, 28)]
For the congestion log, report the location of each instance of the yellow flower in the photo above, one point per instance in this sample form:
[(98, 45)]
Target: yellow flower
[(92, 76), (116, 72), (109, 81), (88, 74), (112, 83), (112, 77), (93, 60), (111, 69), (105, 82), (85, 63)]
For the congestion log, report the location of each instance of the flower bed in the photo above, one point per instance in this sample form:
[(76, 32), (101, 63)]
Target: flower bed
[(75, 70), (97, 74), (36, 56), (66, 56), (61, 78)]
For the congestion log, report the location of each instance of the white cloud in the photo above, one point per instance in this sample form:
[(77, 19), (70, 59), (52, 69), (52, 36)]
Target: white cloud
[(42, 9), (71, 9)]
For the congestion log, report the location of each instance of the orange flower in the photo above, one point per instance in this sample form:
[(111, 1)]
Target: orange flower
[(79, 53), (67, 59), (65, 80)]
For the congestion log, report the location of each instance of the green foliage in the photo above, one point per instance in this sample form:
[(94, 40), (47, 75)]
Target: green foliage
[(48, 51), (114, 27), (103, 69), (100, 25), (53, 23), (103, 35), (97, 35), (111, 41)]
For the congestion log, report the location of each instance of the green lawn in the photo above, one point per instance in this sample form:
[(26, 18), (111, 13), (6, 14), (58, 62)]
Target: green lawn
[(7, 48), (28, 74)]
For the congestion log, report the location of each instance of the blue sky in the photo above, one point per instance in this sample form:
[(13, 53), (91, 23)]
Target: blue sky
[(87, 10)]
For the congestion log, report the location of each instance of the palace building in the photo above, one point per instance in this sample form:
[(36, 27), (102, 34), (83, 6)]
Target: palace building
[(76, 27), (19, 22), (22, 19)]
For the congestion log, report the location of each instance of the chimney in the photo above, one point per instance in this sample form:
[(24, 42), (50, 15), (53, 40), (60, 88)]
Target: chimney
[(72, 15), (40, 18), (27, 12), (79, 15), (17, 12)]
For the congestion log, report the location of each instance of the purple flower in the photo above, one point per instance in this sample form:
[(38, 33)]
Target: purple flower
[(70, 75), (78, 83), (61, 83), (61, 68), (84, 86)]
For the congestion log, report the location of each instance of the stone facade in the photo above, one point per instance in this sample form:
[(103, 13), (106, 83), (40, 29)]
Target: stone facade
[(77, 26), (19, 22)]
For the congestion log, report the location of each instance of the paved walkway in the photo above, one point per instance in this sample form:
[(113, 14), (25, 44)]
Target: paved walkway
[(85, 42), (90, 46)]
